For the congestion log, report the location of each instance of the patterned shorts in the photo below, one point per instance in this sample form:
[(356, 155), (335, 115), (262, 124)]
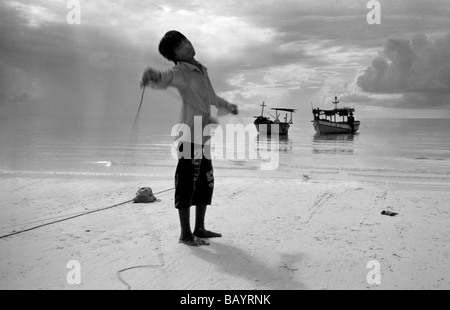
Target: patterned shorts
[(194, 180)]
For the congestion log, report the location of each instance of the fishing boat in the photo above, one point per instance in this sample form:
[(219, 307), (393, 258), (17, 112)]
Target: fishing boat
[(264, 124), (335, 121)]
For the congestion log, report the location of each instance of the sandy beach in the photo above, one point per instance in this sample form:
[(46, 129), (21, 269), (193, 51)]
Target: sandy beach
[(96, 97), (311, 232)]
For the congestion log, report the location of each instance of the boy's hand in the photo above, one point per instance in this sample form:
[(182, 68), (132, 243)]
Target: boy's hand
[(150, 75), (233, 109)]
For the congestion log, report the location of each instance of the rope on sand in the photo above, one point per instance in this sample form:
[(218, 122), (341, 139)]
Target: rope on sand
[(75, 216), (134, 267)]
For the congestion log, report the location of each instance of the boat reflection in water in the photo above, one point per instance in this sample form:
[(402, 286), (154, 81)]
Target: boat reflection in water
[(337, 144), (273, 142)]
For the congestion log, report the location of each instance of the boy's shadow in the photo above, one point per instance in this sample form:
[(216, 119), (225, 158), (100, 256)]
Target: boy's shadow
[(238, 263)]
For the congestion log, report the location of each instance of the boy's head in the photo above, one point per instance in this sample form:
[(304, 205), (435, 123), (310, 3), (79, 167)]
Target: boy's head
[(169, 44)]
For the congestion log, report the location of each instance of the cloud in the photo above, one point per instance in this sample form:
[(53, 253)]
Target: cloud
[(255, 50), (417, 68), (66, 69), (35, 14), (356, 98)]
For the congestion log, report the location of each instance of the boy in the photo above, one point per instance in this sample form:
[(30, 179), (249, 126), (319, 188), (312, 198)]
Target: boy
[(194, 179)]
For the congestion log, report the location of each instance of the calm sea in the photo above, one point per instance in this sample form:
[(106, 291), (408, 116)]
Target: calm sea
[(382, 146)]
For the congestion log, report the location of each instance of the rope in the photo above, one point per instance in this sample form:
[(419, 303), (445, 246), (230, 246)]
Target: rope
[(75, 216), (118, 273), (136, 119)]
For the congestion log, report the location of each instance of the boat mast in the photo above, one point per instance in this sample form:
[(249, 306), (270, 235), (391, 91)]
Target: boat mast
[(262, 111), (335, 102)]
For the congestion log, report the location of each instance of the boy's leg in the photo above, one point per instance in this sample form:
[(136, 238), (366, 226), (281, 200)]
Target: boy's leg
[(186, 234), (203, 197), (200, 230), (184, 188)]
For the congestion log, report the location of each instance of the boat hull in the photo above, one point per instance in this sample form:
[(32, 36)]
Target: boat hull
[(281, 129), (324, 127)]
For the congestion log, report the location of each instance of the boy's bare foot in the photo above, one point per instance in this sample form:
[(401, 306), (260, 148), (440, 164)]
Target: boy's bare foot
[(206, 234), (194, 241)]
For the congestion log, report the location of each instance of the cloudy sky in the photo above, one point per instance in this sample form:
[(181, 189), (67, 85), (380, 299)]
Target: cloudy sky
[(284, 52)]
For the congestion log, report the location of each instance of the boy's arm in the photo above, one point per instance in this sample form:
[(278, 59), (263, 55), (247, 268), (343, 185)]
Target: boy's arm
[(225, 107), (162, 79)]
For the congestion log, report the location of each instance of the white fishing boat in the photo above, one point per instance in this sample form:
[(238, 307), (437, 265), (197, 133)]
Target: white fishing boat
[(335, 121)]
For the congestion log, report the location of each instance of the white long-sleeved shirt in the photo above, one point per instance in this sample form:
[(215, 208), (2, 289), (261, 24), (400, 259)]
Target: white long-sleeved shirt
[(197, 94)]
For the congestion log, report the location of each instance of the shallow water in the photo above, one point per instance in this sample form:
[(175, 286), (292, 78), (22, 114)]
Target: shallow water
[(418, 146)]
